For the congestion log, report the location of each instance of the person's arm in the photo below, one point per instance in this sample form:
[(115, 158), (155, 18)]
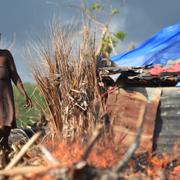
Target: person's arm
[(16, 79)]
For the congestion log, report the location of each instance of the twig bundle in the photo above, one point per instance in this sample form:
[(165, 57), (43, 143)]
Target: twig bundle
[(67, 79)]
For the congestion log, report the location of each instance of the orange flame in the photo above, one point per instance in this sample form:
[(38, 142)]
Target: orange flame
[(101, 156)]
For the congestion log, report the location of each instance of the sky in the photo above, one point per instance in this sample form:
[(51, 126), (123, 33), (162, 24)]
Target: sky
[(23, 19)]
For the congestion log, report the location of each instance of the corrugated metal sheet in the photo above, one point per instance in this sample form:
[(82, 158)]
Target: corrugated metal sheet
[(124, 105), (167, 128), (124, 108)]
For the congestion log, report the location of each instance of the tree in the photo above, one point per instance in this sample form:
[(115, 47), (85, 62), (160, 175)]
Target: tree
[(109, 40)]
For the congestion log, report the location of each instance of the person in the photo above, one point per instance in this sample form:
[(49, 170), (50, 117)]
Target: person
[(8, 72)]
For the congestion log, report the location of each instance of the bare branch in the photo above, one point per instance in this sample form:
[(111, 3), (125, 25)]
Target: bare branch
[(48, 156), (96, 135), (24, 149)]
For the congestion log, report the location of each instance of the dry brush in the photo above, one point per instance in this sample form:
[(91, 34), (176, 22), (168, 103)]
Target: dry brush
[(66, 74)]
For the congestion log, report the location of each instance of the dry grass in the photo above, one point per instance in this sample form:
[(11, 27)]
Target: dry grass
[(66, 75)]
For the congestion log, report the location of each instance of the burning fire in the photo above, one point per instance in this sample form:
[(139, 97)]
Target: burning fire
[(107, 154), (101, 156)]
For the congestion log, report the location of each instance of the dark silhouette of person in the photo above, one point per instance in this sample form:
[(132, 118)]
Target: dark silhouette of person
[(8, 73)]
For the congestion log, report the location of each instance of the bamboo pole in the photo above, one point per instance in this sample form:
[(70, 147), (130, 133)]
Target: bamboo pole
[(22, 152)]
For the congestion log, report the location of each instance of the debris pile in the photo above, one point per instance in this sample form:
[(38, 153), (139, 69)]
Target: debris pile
[(39, 162), (150, 76)]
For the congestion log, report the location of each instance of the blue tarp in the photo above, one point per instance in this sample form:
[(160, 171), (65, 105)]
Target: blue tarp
[(163, 46)]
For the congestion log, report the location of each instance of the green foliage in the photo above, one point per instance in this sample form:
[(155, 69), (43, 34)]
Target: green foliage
[(95, 6), (112, 40), (109, 40), (114, 11), (27, 116), (120, 35)]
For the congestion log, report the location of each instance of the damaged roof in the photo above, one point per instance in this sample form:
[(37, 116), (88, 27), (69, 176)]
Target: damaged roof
[(153, 76)]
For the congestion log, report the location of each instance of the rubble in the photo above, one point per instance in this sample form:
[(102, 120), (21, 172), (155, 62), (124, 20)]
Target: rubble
[(43, 164), (140, 165), (142, 76)]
